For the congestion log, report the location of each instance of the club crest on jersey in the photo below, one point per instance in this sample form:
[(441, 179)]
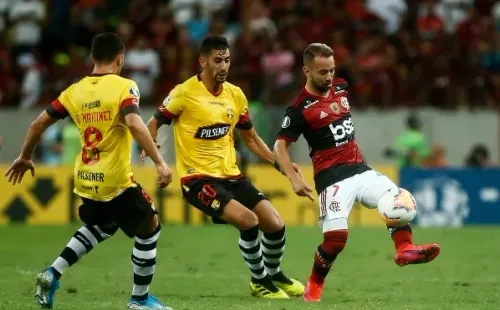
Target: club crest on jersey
[(230, 113), (215, 204), (335, 107), (135, 92)]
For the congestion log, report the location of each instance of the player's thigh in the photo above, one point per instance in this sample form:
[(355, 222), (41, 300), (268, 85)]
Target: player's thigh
[(372, 185), (335, 204), (135, 212), (253, 199), (207, 195), (99, 213)]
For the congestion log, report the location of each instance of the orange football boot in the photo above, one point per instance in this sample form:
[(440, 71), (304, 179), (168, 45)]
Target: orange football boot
[(313, 291), (416, 254)]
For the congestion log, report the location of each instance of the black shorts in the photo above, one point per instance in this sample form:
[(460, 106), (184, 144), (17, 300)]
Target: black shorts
[(128, 210), (211, 195)]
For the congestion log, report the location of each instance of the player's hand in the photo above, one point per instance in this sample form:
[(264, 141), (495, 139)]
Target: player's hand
[(16, 171), (164, 175), (144, 154), (301, 188)]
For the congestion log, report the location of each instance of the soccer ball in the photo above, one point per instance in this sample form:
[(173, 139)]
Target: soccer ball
[(398, 210)]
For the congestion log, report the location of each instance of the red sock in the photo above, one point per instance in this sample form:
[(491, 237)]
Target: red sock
[(333, 243), (402, 237)]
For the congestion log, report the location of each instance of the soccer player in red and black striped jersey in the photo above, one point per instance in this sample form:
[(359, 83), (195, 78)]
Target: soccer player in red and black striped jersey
[(322, 114)]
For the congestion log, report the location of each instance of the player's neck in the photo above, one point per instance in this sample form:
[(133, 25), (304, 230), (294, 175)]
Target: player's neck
[(210, 84), (101, 70), (313, 91)]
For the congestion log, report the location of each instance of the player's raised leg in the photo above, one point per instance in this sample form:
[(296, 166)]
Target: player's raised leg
[(406, 252), (335, 204), (377, 189), (82, 242), (273, 247), (246, 221)]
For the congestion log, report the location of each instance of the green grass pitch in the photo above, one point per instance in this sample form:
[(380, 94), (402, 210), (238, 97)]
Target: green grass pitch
[(201, 268)]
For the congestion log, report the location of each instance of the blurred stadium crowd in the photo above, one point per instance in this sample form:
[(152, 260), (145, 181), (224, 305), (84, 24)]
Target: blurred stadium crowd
[(410, 53), (394, 53)]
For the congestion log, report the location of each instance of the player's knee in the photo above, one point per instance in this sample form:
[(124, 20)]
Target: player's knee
[(149, 225), (247, 220), (387, 198), (276, 224), (269, 219), (239, 216), (334, 241)]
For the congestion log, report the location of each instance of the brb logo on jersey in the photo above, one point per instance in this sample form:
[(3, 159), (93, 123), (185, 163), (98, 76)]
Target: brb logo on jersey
[(212, 132), (343, 131)]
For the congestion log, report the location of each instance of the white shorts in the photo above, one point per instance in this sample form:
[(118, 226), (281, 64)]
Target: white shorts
[(337, 200)]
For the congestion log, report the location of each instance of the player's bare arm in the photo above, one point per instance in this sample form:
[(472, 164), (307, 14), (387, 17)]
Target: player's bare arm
[(153, 126), (283, 158), (23, 163), (163, 115), (288, 168), (255, 144), (141, 134)]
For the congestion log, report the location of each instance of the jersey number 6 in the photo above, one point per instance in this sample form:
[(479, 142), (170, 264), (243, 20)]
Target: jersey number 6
[(90, 153)]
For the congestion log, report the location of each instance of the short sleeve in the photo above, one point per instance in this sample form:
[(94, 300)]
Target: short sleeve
[(293, 125), (244, 121), (57, 107), (171, 107), (130, 98)]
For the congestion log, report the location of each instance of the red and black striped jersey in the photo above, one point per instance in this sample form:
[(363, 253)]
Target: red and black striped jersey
[(328, 128)]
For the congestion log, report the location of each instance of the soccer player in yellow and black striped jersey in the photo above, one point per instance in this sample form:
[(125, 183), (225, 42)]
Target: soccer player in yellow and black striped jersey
[(105, 108), (204, 111)]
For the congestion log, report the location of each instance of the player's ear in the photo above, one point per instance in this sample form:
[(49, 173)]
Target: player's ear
[(306, 71), (203, 61), (121, 60)]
